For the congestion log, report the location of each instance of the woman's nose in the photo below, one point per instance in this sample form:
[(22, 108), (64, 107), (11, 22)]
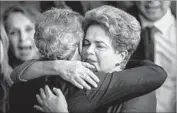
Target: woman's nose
[(23, 36), (90, 49)]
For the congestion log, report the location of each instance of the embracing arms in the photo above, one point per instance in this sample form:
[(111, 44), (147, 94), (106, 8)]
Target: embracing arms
[(75, 72), (119, 87)]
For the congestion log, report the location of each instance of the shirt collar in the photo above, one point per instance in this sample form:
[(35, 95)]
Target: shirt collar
[(161, 24)]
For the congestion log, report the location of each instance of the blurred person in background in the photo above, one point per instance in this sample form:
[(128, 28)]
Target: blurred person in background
[(16, 46), (159, 44), (46, 5), (5, 70), (19, 25)]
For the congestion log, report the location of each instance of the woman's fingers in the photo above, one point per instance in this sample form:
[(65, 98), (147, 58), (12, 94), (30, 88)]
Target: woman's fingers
[(57, 91), (75, 83), (39, 99), (89, 80), (92, 75), (87, 65), (83, 83), (38, 108), (48, 92), (89, 72), (43, 96)]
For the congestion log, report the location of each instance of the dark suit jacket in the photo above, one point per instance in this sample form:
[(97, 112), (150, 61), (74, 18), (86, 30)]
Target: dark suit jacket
[(113, 88)]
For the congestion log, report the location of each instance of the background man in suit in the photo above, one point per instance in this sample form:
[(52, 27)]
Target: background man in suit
[(159, 44)]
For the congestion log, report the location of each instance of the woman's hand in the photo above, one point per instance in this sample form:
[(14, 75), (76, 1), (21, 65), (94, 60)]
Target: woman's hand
[(76, 72), (51, 103)]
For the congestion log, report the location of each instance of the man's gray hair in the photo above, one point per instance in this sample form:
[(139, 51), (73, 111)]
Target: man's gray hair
[(58, 33)]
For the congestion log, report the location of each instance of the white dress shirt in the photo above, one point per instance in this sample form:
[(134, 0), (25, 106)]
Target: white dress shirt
[(165, 48)]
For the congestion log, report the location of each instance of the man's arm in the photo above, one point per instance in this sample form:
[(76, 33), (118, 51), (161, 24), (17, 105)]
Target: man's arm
[(76, 72), (27, 71)]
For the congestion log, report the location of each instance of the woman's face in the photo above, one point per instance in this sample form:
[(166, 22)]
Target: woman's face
[(98, 49), (20, 31)]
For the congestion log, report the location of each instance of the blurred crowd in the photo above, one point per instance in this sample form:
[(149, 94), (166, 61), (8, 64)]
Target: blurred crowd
[(158, 39)]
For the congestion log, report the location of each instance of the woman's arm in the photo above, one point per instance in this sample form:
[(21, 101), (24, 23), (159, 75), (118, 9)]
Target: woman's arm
[(75, 72), (121, 86), (146, 103), (133, 82)]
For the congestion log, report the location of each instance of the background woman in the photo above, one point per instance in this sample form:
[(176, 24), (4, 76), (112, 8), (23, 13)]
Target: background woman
[(19, 24), (5, 70)]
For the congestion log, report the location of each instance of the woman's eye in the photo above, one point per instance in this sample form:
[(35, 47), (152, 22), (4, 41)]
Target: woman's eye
[(13, 32), (100, 46), (29, 29)]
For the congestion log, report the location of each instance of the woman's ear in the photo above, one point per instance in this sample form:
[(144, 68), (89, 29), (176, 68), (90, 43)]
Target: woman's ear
[(121, 57), (122, 54)]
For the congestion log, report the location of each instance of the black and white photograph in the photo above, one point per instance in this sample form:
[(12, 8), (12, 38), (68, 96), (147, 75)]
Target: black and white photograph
[(88, 56)]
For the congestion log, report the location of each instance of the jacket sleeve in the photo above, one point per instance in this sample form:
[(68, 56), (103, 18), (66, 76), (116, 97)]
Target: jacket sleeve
[(145, 103), (130, 83), (18, 71)]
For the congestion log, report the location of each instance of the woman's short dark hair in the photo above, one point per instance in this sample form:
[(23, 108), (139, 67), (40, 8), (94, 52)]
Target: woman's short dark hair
[(123, 29)]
